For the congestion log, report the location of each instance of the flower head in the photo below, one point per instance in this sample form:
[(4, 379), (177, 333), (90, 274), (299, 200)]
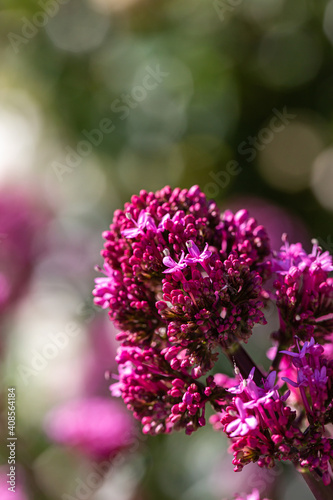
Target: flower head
[(304, 291), (184, 282), (180, 280)]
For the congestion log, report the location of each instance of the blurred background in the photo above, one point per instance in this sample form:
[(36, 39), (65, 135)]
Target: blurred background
[(102, 98)]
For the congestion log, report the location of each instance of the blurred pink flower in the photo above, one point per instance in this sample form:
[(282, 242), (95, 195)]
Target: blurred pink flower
[(274, 218), (252, 496), (5, 493), (97, 427), (22, 238), (100, 357), (328, 347)]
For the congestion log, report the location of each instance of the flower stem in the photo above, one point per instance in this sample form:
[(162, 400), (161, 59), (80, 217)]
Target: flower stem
[(319, 489), (239, 357)]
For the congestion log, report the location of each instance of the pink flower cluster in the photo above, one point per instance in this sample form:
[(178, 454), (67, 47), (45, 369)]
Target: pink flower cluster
[(304, 292), (184, 283), (180, 281), (264, 428)]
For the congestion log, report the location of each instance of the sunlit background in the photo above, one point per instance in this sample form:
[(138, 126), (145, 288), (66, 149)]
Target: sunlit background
[(102, 98)]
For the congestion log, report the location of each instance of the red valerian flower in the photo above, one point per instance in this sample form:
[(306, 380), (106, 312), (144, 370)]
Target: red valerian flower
[(183, 283)]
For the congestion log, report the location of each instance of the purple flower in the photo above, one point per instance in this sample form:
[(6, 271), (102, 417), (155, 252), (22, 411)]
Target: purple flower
[(289, 255), (195, 256), (254, 394), (304, 291), (242, 425), (238, 389), (313, 375), (269, 382), (293, 255), (173, 265), (322, 260), (309, 348), (97, 427), (320, 376), (301, 380), (145, 221)]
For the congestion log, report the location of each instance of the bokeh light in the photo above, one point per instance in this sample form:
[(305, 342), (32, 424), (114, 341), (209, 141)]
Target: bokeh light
[(77, 27), (286, 161), (322, 178), (100, 99)]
